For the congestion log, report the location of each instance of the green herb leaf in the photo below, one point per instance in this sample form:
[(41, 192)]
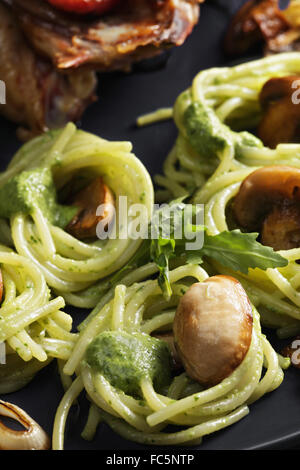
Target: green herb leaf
[(240, 251)]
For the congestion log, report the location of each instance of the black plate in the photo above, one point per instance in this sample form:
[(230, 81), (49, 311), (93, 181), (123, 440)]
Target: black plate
[(273, 421)]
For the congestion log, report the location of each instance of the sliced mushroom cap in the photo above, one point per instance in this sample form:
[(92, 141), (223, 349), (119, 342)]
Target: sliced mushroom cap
[(32, 438), (255, 21), (281, 228), (96, 194), (213, 329), (281, 119), (264, 189)]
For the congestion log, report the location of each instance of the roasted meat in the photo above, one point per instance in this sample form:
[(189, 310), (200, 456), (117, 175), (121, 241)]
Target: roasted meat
[(262, 21), (38, 97), (134, 30)]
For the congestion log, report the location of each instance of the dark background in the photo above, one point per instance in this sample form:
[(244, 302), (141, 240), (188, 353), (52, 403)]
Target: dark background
[(274, 421)]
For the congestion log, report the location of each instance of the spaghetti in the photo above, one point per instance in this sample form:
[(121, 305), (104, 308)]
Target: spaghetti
[(32, 326), (141, 308), (72, 268), (211, 158)]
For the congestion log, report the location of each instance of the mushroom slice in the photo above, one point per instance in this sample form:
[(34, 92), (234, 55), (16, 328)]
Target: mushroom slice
[(262, 191), (281, 228), (88, 200), (213, 328), (281, 118), (255, 21), (32, 438)]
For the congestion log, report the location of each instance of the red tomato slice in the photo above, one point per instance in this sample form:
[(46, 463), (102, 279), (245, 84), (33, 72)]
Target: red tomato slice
[(84, 7)]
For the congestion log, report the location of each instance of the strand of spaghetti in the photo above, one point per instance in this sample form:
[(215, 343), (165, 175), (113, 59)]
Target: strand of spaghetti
[(93, 421), (118, 308), (10, 326), (62, 413), (136, 275), (273, 369), (180, 437), (161, 114), (105, 390), (44, 233), (158, 322), (93, 328), (89, 386)]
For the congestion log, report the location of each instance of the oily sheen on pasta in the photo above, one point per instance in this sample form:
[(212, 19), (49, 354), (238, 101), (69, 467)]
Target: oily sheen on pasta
[(213, 155), (32, 326), (72, 267), (142, 309)]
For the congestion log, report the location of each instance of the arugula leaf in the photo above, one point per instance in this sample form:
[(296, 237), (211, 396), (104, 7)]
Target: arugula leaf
[(232, 249), (240, 251), (161, 251)]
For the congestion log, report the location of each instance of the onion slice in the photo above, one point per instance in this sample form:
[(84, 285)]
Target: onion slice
[(32, 438)]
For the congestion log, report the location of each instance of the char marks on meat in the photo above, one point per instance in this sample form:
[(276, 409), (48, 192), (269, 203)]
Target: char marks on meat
[(135, 30), (38, 97)]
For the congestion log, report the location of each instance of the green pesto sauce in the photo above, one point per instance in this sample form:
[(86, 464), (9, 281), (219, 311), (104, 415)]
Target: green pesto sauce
[(208, 135), (125, 359), (34, 189)]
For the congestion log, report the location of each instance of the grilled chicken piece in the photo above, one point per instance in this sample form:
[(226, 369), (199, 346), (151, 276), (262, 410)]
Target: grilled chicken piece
[(135, 30), (37, 96), (262, 21)]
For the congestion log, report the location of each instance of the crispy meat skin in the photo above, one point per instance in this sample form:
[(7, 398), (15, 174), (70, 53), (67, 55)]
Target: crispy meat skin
[(135, 30), (37, 96)]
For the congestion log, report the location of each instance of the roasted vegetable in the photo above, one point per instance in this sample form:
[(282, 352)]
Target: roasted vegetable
[(84, 224), (281, 113), (262, 21), (213, 328), (269, 201)]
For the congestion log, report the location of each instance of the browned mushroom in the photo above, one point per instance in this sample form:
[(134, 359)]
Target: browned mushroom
[(256, 21), (269, 201), (213, 328), (293, 352), (85, 222), (281, 119)]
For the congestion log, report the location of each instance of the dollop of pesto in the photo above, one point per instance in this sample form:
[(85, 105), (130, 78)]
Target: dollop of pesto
[(208, 135), (203, 129), (125, 359), (30, 189)]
